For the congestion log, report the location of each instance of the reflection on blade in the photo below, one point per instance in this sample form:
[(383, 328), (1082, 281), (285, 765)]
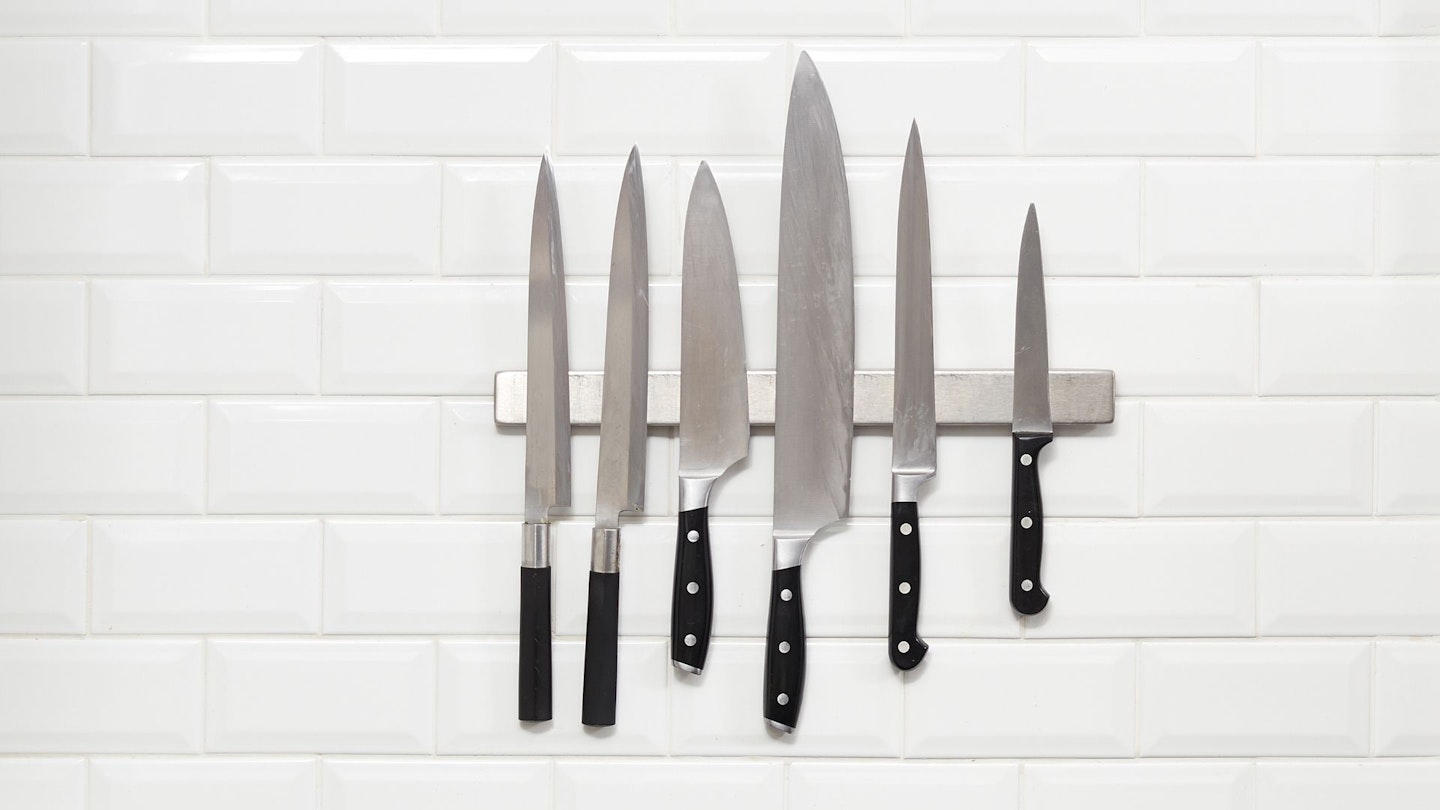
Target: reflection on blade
[(1032, 349), (913, 452), (547, 396)]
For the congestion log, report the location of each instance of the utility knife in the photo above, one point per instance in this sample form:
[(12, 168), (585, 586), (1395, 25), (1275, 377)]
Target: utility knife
[(1031, 428)]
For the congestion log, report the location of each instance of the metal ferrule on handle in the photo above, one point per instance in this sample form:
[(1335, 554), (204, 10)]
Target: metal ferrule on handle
[(605, 550), (535, 545)]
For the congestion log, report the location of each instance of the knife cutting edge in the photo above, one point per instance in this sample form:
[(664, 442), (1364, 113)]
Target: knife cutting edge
[(714, 409), (547, 443), (621, 483), (912, 460), (1032, 428), (814, 373)]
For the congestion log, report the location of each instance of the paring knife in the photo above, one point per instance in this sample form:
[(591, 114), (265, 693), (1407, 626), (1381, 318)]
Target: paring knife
[(1032, 428), (547, 443), (621, 483), (912, 460), (714, 408), (814, 373)]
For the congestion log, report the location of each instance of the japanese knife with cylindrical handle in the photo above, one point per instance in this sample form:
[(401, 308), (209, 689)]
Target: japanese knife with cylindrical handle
[(1031, 428)]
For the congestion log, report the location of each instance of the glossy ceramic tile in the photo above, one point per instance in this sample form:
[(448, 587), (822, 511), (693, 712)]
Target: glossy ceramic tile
[(85, 17), (1409, 17), (646, 575), (1407, 433), (48, 783), (216, 784), (42, 337), (960, 594), (184, 97), (1042, 18), (1407, 707), (322, 17), (1250, 17), (388, 338), (805, 17), (43, 566), (1096, 785), (436, 784), (1327, 785), (855, 786), (44, 89), (551, 17), (337, 217), (1407, 200), (581, 785), (102, 216)]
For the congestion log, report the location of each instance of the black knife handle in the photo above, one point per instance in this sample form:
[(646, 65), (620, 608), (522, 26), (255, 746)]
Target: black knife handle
[(693, 602), (535, 643), (785, 650), (1027, 523), (906, 646), (602, 650)]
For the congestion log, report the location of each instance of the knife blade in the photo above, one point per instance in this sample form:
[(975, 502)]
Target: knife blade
[(714, 408), (547, 442), (814, 371), (1031, 429), (912, 460), (621, 483)]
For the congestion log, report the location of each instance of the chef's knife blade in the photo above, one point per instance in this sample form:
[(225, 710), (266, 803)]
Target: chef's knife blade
[(1032, 428), (547, 442), (714, 408), (912, 461), (621, 483), (814, 371)]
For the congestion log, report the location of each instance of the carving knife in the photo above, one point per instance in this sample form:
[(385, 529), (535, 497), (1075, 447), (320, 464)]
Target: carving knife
[(714, 408), (547, 443), (1032, 428), (621, 483), (814, 373), (912, 460)]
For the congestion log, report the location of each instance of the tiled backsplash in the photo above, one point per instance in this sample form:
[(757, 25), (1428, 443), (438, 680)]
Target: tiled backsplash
[(260, 267)]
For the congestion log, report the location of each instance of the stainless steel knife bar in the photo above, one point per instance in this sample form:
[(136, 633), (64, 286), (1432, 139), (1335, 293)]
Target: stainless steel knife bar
[(980, 397)]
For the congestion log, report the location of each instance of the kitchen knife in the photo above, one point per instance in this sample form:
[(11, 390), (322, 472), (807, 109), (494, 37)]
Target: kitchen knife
[(912, 459), (814, 373), (1032, 428), (547, 443), (714, 408), (621, 483)]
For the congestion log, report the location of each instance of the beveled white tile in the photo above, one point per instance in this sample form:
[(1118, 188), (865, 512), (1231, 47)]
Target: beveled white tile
[(1149, 98), (551, 17), (43, 567), (322, 17), (451, 98), (801, 17), (193, 337), (1040, 18), (751, 192), (720, 713), (184, 97), (961, 595), (1182, 786), (877, 89), (44, 90), (435, 784), (84, 695), (345, 217), (1407, 705), (1258, 458), (1248, 218), (414, 338), (212, 783), (847, 582), (87, 17), (102, 456), (1294, 698), (716, 785), (413, 577), (1407, 17), (320, 696), (698, 99), (1407, 434), (1384, 321), (1348, 98), (857, 786), (645, 576), (1017, 699), (42, 337), (1342, 785), (477, 718), (102, 216), (1348, 578), (1408, 200), (1250, 17), (50, 783), (205, 576), (1150, 578), (286, 456)]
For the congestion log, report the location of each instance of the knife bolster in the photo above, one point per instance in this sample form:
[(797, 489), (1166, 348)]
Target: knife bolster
[(695, 493), (535, 545)]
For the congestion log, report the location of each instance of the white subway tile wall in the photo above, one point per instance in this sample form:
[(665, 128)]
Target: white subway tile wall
[(260, 261)]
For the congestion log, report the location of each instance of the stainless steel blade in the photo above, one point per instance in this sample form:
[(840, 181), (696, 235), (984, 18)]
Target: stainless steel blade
[(714, 396), (621, 483), (815, 352), (912, 459), (547, 394), (1032, 348)]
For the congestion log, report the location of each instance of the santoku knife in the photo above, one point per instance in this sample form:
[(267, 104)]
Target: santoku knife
[(547, 443), (714, 408), (814, 373), (621, 483), (912, 460), (1032, 428)]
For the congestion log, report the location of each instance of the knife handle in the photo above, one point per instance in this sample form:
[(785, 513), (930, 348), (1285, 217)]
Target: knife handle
[(906, 646), (535, 643), (1027, 523), (693, 602), (785, 650), (602, 649)]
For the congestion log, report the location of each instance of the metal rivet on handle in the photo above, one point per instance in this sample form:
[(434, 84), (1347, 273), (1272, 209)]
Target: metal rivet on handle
[(692, 535), (690, 639), (1026, 585), (784, 647), (785, 595), (903, 646), (1026, 523), (783, 699), (692, 587), (904, 587), (905, 529), (1025, 459)]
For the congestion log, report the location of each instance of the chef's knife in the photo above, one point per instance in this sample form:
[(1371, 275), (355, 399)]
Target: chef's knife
[(814, 373), (621, 483), (912, 460), (714, 408), (547, 443), (1032, 428)]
